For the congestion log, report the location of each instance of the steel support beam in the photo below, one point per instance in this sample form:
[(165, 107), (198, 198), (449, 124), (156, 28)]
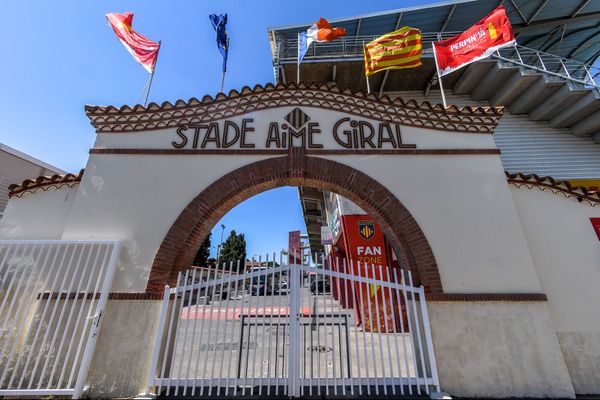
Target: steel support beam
[(556, 21)]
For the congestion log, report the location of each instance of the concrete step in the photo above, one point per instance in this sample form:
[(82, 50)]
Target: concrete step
[(537, 92), (558, 101), (515, 85), (493, 80), (578, 111), (588, 126), (472, 76)]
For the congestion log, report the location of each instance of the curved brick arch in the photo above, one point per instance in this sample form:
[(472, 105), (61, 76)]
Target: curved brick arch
[(199, 217)]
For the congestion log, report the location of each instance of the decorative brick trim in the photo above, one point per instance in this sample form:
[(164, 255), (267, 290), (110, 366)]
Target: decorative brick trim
[(408, 113), (297, 169), (531, 181), (486, 297), (266, 152), (44, 183)]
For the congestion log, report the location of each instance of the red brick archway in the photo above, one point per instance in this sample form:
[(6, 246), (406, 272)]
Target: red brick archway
[(195, 222)]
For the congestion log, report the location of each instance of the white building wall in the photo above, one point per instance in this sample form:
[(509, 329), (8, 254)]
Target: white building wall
[(566, 253), (38, 215)]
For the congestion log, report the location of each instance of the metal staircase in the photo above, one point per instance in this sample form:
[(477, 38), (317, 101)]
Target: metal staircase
[(545, 87), (564, 92)]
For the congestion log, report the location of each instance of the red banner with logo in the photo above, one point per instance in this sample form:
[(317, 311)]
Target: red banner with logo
[(367, 252), (481, 40), (596, 225)]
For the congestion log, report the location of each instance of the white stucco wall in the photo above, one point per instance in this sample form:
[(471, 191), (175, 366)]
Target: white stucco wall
[(464, 207), (462, 204), (498, 349), (136, 199), (38, 215), (566, 253), (121, 360)]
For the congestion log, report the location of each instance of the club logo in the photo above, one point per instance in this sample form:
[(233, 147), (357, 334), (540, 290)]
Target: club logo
[(297, 118), (366, 229)]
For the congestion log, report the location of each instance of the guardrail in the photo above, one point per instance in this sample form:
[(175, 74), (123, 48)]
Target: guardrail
[(350, 48)]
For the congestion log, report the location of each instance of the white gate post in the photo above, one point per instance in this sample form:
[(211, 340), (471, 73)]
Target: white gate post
[(158, 340), (428, 341), (95, 329)]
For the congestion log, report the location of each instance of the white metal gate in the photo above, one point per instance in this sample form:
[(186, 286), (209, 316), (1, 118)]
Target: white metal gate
[(294, 330), (52, 296)]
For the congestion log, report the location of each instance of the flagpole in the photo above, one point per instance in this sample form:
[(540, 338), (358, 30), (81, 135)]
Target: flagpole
[(437, 68), (152, 74), (225, 69), (298, 65), (366, 76)]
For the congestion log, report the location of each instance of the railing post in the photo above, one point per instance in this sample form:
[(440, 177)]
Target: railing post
[(518, 55), (565, 68), (587, 71), (541, 61)]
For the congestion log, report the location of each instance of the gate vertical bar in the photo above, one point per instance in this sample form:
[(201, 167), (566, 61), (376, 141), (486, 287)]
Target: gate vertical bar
[(294, 325)]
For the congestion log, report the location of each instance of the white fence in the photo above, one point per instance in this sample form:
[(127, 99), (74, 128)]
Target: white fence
[(52, 296), (294, 330)]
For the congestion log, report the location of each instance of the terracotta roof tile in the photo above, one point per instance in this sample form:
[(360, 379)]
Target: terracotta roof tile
[(581, 194), (44, 183), (405, 112)]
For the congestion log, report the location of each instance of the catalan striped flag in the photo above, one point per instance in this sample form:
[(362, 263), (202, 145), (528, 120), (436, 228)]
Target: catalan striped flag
[(395, 50)]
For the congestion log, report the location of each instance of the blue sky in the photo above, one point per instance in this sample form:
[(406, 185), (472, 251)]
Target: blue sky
[(59, 56)]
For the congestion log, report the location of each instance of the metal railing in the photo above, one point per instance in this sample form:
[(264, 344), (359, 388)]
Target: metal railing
[(551, 64), (52, 296), (350, 48)]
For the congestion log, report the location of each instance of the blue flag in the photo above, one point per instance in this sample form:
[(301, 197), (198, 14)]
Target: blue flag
[(302, 45), (219, 22)]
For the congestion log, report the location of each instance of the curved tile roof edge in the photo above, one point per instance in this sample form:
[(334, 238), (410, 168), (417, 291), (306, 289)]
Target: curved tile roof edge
[(580, 193), (258, 88), (44, 182), (481, 119)]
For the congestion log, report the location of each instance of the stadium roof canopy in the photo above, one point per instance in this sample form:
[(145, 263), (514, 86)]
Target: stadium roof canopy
[(567, 28)]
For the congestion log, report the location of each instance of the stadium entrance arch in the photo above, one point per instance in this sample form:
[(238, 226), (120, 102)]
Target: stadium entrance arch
[(159, 177)]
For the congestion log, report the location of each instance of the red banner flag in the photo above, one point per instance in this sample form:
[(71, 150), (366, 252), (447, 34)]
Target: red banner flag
[(481, 40), (596, 225), (144, 50)]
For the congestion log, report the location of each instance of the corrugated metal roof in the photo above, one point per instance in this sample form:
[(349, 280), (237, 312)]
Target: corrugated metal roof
[(532, 147), (570, 29)]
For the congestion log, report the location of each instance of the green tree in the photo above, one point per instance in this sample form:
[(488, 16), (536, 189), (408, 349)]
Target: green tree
[(233, 249), (201, 258)]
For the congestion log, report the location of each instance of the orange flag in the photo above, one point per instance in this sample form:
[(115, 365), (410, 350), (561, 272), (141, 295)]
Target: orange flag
[(144, 50)]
